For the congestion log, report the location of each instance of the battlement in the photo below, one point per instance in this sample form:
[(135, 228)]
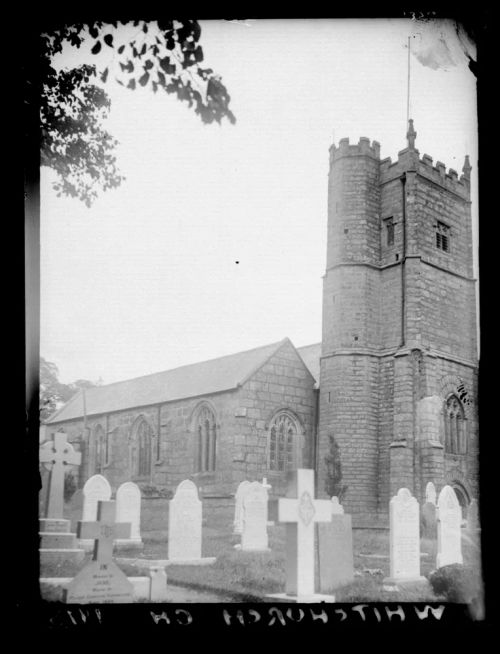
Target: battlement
[(363, 147), (424, 166), (408, 159)]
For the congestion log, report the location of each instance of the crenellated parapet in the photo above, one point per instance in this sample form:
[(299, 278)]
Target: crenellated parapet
[(424, 166), (362, 148)]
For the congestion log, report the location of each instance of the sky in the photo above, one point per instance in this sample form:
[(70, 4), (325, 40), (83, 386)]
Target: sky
[(216, 241)]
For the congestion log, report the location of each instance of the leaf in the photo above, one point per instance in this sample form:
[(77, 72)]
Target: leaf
[(198, 54), (108, 40), (121, 49), (104, 76), (143, 49), (145, 28), (94, 33), (97, 48), (161, 78), (148, 64), (143, 80), (131, 84)]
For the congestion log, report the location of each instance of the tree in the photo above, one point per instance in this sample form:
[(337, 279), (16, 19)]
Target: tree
[(163, 56), (333, 481), (53, 393)]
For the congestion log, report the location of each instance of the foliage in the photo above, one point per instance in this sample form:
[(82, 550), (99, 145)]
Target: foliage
[(53, 393), (70, 486), (333, 482), (151, 490), (456, 582), (162, 56)]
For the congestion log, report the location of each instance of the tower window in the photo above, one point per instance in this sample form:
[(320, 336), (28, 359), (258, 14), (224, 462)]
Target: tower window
[(442, 237), (389, 230), (455, 435)]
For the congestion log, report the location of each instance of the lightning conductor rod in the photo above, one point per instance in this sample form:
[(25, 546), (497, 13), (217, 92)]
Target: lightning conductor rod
[(408, 85)]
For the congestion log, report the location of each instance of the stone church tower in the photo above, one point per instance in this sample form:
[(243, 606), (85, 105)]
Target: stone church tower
[(398, 375)]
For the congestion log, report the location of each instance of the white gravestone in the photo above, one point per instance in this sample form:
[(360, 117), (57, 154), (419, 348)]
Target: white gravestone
[(128, 509), (300, 511), (337, 508), (254, 535), (404, 521), (430, 493), (184, 523), (238, 507), (449, 519), (96, 489)]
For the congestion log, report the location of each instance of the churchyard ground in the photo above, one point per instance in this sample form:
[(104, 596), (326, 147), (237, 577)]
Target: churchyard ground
[(249, 576)]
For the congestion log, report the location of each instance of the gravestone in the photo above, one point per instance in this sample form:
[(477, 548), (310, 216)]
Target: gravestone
[(101, 581), (404, 535), (336, 559), (158, 590), (254, 535), (184, 524), (300, 511), (337, 507), (449, 518), (268, 487), (473, 517), (128, 509), (429, 520), (430, 493), (95, 489), (57, 543), (238, 507)]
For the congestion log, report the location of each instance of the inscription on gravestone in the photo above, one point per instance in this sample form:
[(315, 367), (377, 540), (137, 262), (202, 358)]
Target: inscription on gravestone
[(101, 581)]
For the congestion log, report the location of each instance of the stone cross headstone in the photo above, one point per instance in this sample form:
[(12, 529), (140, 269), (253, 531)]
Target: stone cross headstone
[(57, 542), (336, 557), (101, 581), (473, 517), (254, 534), (449, 518), (56, 456), (128, 509), (430, 493), (184, 523), (95, 489), (300, 511), (404, 521), (238, 507)]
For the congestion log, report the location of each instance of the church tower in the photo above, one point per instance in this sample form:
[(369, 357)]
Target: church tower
[(398, 376)]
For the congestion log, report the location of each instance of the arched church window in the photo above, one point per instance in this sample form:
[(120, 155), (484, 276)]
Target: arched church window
[(144, 437), (99, 450), (206, 434), (455, 426), (282, 441)]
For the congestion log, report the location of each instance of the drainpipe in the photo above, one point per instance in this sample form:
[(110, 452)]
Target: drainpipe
[(403, 261)]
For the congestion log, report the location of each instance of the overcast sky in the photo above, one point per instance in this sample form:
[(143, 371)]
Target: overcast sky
[(147, 278)]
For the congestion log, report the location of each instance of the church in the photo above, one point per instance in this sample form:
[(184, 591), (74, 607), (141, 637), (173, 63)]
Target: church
[(393, 382)]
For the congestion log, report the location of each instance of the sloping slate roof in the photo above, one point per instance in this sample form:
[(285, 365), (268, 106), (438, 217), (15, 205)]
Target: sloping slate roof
[(192, 380), (310, 355)]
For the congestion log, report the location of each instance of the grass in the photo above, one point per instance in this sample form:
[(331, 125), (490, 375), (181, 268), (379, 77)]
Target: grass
[(252, 575)]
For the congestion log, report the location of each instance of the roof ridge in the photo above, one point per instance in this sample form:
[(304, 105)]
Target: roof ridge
[(186, 365)]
